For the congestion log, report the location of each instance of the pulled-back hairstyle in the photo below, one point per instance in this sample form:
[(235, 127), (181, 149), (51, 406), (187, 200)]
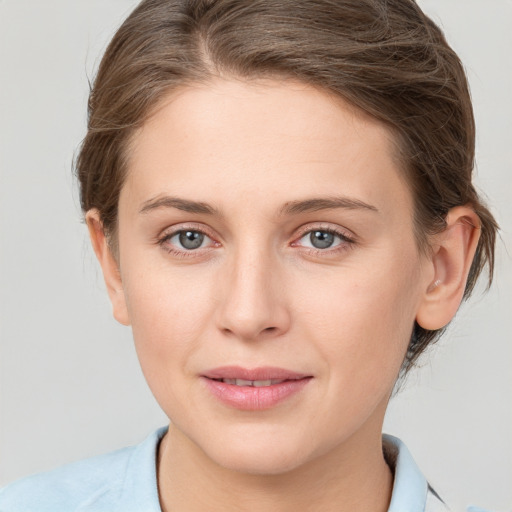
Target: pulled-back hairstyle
[(386, 57)]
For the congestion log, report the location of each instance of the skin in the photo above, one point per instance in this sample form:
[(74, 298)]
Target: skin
[(257, 293)]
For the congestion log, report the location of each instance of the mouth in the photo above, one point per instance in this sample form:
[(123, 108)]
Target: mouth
[(254, 389), (254, 383)]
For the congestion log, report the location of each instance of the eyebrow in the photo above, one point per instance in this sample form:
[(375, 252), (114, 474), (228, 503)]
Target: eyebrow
[(178, 203), (325, 203), (289, 208)]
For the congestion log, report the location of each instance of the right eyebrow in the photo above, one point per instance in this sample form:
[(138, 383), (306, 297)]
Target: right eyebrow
[(180, 204)]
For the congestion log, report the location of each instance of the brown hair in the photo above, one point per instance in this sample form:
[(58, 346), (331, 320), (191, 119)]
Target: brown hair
[(386, 57)]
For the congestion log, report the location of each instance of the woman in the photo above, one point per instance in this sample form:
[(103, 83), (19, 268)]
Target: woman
[(280, 200)]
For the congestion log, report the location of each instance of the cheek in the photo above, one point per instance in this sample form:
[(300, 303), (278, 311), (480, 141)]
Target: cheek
[(167, 312), (167, 308), (361, 320)]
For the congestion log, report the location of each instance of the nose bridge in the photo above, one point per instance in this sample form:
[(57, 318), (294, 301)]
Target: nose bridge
[(252, 304)]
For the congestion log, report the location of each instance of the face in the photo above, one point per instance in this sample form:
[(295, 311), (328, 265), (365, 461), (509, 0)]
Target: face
[(268, 269)]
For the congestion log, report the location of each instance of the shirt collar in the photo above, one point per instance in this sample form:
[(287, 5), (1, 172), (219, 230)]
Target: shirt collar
[(410, 486), (140, 488)]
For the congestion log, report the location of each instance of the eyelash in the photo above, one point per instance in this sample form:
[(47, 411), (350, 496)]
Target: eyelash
[(346, 242)]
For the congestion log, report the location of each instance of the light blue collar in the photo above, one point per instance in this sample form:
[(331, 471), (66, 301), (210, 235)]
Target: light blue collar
[(139, 491), (410, 486)]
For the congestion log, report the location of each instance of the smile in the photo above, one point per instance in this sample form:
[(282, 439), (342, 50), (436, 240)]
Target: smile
[(254, 383), (253, 389)]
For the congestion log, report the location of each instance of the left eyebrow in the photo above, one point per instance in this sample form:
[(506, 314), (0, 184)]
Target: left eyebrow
[(325, 203)]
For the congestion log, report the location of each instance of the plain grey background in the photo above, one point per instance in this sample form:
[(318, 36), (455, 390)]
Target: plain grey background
[(70, 382)]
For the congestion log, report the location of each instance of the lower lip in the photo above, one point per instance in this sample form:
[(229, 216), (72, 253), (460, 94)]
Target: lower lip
[(250, 398)]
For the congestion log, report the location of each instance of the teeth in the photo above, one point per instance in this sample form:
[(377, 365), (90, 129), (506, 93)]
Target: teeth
[(242, 382), (255, 383), (261, 383)]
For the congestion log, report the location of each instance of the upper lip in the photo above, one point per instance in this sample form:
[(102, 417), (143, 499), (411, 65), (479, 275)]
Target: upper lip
[(261, 373)]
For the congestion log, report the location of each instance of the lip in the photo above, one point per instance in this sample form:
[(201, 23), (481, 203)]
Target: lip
[(250, 398)]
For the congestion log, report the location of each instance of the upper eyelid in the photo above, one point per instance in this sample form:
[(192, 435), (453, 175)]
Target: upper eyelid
[(172, 231), (339, 231)]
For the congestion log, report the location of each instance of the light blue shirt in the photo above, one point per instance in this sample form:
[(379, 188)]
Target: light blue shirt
[(126, 481)]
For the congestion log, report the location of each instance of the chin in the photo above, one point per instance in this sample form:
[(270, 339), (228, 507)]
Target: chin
[(257, 450), (257, 461)]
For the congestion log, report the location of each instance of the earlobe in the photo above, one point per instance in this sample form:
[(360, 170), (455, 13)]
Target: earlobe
[(452, 257), (109, 266)]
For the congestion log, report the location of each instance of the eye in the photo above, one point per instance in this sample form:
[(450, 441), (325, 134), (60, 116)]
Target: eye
[(322, 239), (187, 240)]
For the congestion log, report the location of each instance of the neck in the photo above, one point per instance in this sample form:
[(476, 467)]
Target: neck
[(353, 477)]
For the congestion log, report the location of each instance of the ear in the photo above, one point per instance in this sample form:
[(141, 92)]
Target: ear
[(452, 256), (109, 266)]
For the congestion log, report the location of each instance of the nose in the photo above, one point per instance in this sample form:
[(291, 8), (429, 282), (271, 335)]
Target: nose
[(252, 304)]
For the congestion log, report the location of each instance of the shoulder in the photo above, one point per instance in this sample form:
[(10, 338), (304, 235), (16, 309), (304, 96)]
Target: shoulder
[(67, 487), (94, 484), (411, 490), (434, 503)]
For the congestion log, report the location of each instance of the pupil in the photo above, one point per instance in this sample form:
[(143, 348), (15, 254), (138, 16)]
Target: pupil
[(191, 239), (321, 239)]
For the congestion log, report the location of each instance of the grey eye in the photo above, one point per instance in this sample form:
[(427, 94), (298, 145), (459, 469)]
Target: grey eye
[(190, 239), (321, 239)]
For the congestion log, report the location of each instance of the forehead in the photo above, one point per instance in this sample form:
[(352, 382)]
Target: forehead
[(267, 140)]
